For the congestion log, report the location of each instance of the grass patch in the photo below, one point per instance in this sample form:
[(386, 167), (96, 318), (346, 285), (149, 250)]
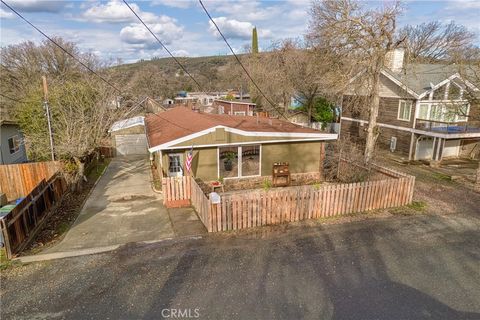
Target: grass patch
[(63, 228), (98, 170), (410, 209), (441, 176), (418, 206), (157, 184), (5, 263)]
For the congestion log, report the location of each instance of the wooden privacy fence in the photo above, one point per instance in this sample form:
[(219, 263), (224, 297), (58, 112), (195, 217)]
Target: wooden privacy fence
[(18, 180), (21, 224), (253, 208)]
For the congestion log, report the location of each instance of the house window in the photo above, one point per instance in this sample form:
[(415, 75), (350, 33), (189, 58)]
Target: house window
[(462, 112), (423, 111), (14, 144), (242, 161), (239, 113), (404, 110), (454, 92), (228, 162), (175, 165), (250, 161), (452, 112)]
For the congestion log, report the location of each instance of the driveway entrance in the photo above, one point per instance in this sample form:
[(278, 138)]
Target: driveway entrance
[(122, 208)]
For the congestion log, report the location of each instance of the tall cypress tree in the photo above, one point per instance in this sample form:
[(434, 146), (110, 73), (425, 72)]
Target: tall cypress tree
[(252, 91), (254, 41)]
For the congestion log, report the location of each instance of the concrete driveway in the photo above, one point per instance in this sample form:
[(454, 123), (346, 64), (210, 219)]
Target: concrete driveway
[(122, 208)]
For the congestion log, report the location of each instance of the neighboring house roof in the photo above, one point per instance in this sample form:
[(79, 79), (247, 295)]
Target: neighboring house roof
[(181, 123), (127, 123), (236, 102), (418, 79)]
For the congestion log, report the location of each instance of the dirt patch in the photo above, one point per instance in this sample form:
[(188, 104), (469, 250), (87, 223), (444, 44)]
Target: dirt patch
[(438, 191)]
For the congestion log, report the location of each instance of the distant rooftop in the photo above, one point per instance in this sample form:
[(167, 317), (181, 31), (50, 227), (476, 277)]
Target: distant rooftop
[(127, 123)]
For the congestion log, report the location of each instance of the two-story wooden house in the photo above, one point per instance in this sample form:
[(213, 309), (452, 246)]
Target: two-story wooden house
[(424, 113)]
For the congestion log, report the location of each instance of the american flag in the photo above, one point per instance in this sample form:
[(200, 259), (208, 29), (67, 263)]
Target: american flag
[(188, 161)]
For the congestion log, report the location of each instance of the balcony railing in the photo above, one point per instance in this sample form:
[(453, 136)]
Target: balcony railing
[(448, 127)]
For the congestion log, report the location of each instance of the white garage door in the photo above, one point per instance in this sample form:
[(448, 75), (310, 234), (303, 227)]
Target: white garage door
[(424, 149), (131, 144), (451, 149)]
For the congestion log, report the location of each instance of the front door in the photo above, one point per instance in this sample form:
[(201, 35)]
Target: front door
[(175, 168)]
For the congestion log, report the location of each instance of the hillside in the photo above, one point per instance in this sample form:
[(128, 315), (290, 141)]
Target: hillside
[(162, 77)]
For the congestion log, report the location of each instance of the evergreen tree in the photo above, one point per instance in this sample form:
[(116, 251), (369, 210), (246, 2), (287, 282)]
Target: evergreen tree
[(254, 41)]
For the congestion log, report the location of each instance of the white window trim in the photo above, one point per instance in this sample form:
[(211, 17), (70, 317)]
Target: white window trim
[(409, 110), (443, 104), (239, 169), (13, 139), (181, 158), (239, 113)]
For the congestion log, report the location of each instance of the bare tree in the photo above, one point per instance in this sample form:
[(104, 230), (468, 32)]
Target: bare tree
[(470, 71), (81, 105), (359, 38), (434, 41)]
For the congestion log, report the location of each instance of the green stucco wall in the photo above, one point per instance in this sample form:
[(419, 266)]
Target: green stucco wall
[(303, 157), (204, 164)]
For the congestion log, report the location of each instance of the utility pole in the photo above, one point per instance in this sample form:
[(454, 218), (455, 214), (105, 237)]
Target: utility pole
[(47, 113)]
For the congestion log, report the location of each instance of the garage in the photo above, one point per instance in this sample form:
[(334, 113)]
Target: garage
[(128, 137), (424, 150), (451, 148)]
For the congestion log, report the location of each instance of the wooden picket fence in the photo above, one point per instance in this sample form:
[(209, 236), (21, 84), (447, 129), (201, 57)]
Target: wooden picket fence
[(18, 180), (259, 208), (176, 191), (200, 202), (279, 205), (21, 224)]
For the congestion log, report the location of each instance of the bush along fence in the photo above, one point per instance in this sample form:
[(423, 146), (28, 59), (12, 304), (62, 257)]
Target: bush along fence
[(18, 180), (253, 208), (21, 224)]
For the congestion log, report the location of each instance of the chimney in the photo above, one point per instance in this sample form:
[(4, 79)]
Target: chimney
[(394, 59)]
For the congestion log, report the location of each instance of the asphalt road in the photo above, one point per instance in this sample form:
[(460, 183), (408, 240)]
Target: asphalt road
[(421, 267)]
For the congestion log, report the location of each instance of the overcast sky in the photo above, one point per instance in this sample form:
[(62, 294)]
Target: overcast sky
[(110, 30)]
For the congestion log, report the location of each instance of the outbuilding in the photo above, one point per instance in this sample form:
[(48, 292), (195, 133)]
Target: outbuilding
[(128, 136)]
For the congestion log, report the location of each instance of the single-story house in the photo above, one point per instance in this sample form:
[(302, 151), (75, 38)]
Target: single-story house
[(226, 146), (128, 136), (12, 147)]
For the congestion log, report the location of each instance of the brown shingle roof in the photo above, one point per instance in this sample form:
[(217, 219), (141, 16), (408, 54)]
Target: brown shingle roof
[(180, 122)]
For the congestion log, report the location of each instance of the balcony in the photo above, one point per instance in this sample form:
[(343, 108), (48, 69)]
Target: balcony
[(448, 127)]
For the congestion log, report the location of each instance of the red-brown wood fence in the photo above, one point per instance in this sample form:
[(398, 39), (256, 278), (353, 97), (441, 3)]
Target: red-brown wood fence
[(18, 180), (252, 208), (21, 224)]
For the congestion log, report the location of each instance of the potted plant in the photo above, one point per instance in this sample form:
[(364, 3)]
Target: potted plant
[(228, 161)]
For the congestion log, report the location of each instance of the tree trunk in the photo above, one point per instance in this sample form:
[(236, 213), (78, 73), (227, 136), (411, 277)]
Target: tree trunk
[(372, 130), (78, 182), (477, 182)]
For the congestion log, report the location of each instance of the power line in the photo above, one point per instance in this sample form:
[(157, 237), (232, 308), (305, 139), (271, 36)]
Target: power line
[(240, 62), (164, 47), (61, 48)]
